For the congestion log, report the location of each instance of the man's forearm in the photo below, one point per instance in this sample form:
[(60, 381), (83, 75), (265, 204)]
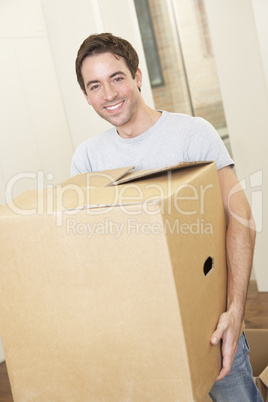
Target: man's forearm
[(240, 241)]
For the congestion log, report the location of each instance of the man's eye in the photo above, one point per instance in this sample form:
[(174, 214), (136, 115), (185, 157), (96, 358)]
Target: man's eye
[(94, 87), (118, 79)]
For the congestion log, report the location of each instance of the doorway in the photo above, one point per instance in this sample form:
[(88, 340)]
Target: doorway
[(180, 60)]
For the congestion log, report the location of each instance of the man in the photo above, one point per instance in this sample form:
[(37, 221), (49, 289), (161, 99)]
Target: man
[(108, 74)]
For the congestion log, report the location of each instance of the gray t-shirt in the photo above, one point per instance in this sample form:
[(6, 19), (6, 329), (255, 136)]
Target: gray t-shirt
[(172, 139)]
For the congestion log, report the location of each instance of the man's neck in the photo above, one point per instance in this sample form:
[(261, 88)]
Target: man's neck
[(144, 120)]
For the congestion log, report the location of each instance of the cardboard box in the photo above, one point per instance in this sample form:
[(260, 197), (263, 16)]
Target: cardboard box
[(258, 343), (112, 284)]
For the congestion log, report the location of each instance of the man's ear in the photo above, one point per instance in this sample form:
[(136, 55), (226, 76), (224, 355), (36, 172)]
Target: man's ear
[(138, 78), (86, 96)]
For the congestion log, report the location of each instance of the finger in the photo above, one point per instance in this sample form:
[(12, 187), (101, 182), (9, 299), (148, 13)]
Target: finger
[(224, 372), (216, 336), (227, 363)]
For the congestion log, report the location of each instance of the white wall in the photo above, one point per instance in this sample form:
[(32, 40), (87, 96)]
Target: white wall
[(260, 11), (44, 115), (239, 37), (34, 133)]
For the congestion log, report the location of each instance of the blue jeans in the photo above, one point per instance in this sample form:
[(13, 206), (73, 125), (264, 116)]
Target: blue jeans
[(238, 386)]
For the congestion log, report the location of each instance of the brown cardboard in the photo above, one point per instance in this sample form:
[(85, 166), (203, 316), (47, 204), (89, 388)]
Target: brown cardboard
[(109, 316), (258, 343)]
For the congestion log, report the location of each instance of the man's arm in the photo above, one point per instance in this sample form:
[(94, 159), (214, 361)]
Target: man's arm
[(240, 240)]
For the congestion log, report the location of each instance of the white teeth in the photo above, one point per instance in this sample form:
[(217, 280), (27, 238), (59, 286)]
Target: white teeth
[(114, 107)]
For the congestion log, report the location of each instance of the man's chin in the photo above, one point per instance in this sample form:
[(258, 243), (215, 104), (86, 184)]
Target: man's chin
[(116, 121)]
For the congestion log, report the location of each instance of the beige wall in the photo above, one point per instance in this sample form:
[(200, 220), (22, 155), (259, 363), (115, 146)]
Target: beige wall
[(260, 11), (241, 57), (34, 133)]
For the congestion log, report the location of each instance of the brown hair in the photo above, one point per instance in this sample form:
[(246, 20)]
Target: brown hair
[(102, 43)]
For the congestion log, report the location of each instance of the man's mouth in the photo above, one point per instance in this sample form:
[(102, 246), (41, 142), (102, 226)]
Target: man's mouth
[(114, 107)]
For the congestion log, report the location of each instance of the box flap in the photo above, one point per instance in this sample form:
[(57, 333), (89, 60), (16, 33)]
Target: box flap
[(258, 343), (138, 174), (98, 179), (91, 190), (262, 384), (264, 376), (149, 188), (44, 200)]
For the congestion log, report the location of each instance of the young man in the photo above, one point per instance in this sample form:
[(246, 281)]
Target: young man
[(108, 74)]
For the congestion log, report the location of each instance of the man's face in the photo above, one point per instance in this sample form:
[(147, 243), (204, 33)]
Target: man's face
[(110, 88)]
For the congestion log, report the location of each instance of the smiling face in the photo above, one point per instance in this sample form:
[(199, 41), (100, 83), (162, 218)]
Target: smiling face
[(111, 89)]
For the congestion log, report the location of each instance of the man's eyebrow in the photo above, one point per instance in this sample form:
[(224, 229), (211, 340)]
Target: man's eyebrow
[(117, 73), (111, 76), (92, 82)]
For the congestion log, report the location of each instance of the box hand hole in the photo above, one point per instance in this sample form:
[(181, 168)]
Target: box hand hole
[(208, 265)]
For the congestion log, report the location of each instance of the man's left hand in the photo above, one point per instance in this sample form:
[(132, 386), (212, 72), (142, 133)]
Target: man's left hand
[(229, 330)]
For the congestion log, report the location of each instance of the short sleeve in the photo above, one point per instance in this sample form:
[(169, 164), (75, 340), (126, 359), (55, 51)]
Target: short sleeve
[(80, 161), (204, 143)]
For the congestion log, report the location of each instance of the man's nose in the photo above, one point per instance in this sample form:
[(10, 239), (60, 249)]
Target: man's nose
[(110, 92)]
